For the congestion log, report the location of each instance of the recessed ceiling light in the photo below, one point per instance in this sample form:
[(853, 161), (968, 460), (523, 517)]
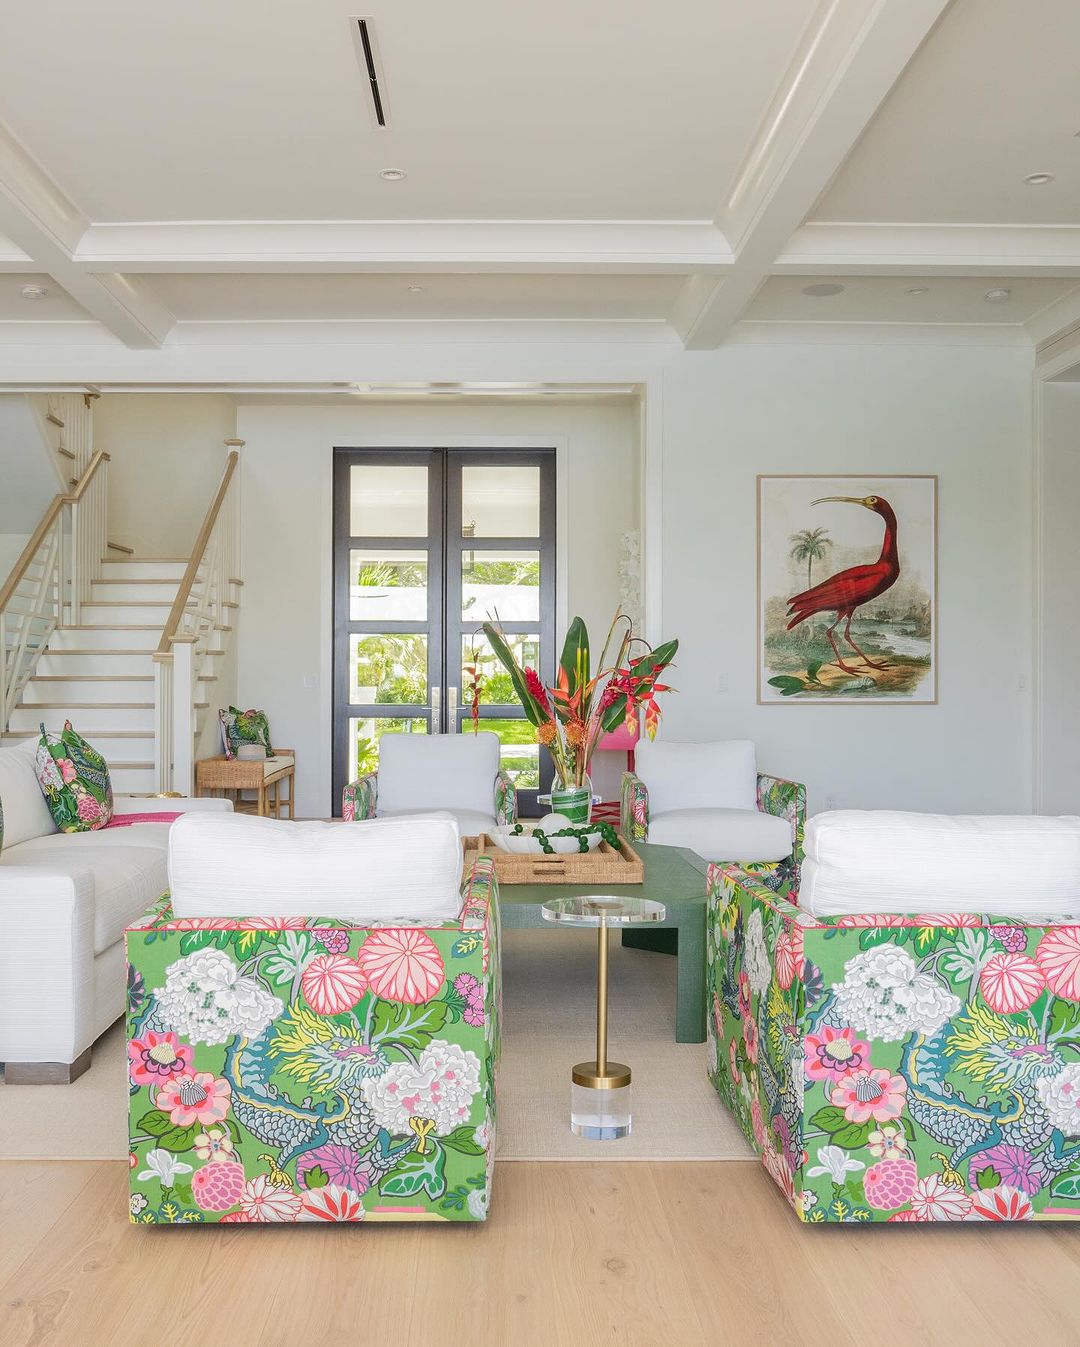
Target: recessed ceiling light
[(33, 292), (823, 289), (918, 289), (999, 295), (415, 289), (1038, 179), (392, 174)]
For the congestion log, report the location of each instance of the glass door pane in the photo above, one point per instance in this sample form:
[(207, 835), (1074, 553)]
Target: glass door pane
[(500, 566), (388, 607)]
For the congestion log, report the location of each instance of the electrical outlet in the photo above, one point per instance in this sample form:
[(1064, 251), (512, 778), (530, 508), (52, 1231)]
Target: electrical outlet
[(311, 681), (721, 682), (830, 802)]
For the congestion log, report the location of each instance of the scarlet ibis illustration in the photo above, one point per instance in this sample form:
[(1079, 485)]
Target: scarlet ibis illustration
[(850, 589)]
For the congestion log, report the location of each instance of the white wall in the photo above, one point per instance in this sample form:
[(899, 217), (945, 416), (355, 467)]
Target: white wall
[(11, 546), (962, 412), (284, 652), (1059, 634), (167, 458)]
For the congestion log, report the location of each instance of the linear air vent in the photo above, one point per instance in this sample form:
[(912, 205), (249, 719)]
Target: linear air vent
[(367, 50)]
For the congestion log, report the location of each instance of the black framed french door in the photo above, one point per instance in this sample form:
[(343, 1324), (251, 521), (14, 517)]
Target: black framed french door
[(429, 544)]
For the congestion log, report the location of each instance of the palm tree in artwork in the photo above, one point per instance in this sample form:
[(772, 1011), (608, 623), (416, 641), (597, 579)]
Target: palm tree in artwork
[(810, 545)]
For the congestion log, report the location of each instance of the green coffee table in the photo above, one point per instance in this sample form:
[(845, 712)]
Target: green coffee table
[(673, 877)]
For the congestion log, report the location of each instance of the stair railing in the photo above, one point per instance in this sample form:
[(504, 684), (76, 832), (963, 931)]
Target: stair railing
[(51, 579), (198, 615)]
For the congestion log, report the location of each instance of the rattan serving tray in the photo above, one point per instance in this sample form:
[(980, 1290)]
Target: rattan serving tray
[(605, 865)]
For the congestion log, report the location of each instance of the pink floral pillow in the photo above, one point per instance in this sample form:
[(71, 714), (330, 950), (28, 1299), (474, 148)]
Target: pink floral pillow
[(74, 778)]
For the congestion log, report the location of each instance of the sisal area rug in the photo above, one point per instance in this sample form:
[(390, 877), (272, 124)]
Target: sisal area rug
[(549, 1002)]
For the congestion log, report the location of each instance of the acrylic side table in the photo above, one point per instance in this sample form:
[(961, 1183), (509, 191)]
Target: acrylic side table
[(600, 1090)]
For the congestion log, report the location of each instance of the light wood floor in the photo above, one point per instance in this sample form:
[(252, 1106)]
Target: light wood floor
[(574, 1255)]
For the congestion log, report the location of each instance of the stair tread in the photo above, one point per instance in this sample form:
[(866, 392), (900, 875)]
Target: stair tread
[(85, 706), (98, 734), (92, 678)]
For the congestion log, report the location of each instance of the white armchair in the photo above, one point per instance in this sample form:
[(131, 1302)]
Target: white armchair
[(710, 799), (418, 773)]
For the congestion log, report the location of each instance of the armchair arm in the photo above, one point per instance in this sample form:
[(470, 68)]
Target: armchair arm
[(784, 799), (358, 798), (46, 963), (634, 808), (506, 806)]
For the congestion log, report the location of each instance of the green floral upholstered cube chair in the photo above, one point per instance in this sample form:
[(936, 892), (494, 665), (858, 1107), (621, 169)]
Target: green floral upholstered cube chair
[(711, 799), (898, 1065), (314, 1067), (418, 773)]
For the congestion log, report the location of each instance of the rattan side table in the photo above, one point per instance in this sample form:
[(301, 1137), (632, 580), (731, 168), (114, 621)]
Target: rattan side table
[(228, 777)]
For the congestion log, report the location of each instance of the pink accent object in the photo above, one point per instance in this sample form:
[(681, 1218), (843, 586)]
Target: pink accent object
[(126, 820), (621, 740)]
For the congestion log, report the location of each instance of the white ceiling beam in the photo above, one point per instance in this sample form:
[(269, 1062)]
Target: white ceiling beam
[(522, 247), (820, 249), (46, 226), (851, 55)]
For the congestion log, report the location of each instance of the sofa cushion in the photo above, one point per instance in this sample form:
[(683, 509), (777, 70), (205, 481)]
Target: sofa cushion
[(719, 775), (470, 823), (866, 861), (724, 834), (26, 814), (126, 878), (223, 865), (420, 772), (74, 779)]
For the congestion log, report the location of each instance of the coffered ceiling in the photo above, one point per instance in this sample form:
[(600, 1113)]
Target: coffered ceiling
[(215, 172)]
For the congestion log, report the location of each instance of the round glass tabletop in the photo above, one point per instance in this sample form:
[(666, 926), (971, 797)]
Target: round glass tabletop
[(596, 908)]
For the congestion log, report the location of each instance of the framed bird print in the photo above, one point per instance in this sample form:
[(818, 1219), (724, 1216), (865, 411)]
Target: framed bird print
[(847, 589)]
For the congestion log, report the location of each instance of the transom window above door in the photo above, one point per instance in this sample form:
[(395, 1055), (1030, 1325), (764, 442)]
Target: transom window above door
[(428, 545)]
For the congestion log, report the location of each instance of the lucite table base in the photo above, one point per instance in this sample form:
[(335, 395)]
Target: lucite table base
[(600, 1090)]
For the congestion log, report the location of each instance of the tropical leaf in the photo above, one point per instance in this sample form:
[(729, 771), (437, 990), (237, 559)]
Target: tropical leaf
[(410, 1026), (1067, 1186), (787, 685), (1064, 1019), (169, 1137), (574, 661), (533, 711), (830, 1119), (461, 1139), (415, 1172), (852, 1135), (466, 944), (883, 935)]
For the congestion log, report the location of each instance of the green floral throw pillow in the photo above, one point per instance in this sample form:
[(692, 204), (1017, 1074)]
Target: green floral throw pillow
[(74, 778), (244, 727)]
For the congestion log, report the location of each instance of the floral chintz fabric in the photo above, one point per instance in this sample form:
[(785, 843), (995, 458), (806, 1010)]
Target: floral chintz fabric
[(634, 808), (305, 1069), (74, 778), (358, 798), (898, 1068), (506, 808)]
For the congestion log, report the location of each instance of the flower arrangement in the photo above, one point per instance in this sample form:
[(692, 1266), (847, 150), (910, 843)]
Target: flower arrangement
[(573, 716)]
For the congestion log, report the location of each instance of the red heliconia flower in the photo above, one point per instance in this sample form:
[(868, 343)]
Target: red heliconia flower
[(536, 687)]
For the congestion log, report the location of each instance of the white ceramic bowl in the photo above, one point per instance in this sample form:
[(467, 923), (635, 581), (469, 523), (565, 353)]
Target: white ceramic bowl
[(525, 844)]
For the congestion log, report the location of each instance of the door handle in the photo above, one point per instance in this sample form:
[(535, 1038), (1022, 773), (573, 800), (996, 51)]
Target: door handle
[(436, 706), (451, 706)]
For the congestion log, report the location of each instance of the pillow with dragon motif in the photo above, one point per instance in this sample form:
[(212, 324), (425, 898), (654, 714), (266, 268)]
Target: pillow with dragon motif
[(74, 778)]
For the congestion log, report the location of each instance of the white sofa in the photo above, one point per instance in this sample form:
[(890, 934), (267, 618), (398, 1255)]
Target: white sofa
[(65, 900)]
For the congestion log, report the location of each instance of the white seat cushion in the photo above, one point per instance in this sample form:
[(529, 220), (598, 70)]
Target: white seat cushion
[(127, 878), (229, 865), (721, 775), (723, 834), (420, 772), (470, 824), (865, 861), (26, 814)]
